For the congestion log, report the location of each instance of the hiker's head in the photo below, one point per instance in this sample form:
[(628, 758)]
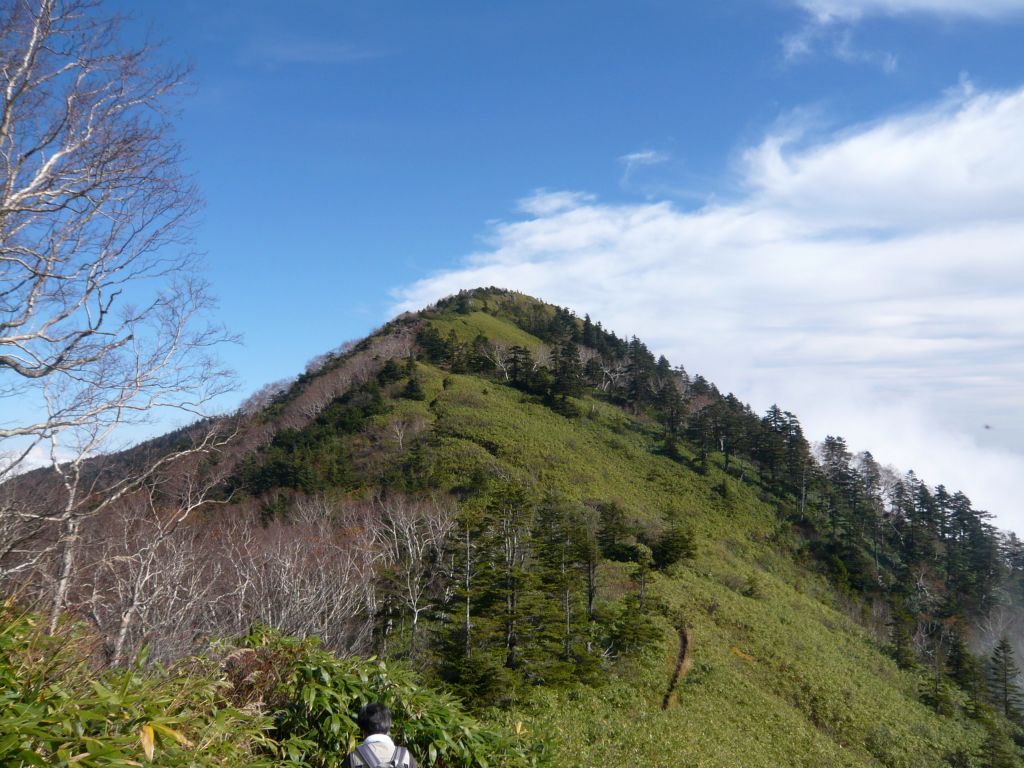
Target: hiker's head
[(374, 718)]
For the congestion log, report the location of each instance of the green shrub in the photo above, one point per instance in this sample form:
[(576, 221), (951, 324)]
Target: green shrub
[(58, 708), (318, 696)]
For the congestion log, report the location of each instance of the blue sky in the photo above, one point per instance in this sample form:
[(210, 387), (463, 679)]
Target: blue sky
[(818, 203)]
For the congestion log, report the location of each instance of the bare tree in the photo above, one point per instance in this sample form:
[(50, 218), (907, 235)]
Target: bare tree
[(401, 427), (542, 357), (314, 574), (500, 354), (613, 373), (413, 537), (263, 397), (393, 345), (148, 588), (166, 504), (102, 314), (171, 575)]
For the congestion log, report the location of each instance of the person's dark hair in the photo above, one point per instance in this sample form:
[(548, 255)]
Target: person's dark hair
[(374, 718)]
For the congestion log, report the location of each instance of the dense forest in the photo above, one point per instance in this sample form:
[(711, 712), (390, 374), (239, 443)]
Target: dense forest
[(552, 523)]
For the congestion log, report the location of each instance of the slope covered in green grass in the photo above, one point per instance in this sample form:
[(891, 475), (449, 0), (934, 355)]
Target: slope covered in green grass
[(783, 667), (782, 676)]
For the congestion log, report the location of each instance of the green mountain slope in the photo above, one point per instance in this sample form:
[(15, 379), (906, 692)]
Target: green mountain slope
[(783, 666)]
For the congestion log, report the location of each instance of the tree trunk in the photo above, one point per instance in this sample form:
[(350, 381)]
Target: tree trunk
[(70, 536), (468, 625)]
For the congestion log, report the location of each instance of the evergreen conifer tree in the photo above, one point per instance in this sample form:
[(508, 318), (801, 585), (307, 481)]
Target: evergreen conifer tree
[(958, 660), (389, 372), (521, 366), (568, 374), (560, 618), (676, 542), (414, 390), (901, 624), (613, 529), (1003, 687), (998, 752)]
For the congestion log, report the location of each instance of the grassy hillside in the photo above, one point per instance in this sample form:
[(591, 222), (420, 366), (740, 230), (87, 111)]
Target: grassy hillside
[(781, 675), (786, 668), (565, 550)]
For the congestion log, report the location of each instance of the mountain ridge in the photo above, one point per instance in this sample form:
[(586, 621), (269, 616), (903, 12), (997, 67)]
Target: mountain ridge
[(502, 396), (594, 549)]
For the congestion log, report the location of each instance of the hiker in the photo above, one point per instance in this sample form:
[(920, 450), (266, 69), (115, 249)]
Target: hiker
[(378, 749)]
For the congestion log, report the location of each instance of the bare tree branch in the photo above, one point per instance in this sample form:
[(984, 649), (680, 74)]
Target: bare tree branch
[(103, 319)]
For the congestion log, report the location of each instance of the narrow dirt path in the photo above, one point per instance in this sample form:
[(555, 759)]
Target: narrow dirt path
[(683, 665)]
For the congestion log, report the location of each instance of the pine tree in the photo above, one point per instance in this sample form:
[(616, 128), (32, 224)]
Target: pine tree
[(965, 670), (901, 624), (568, 373), (511, 513), (701, 431), (456, 353), (389, 373), (560, 554), (675, 543), (1003, 687), (588, 336), (640, 372), (476, 358), (838, 474), (469, 648), (671, 409), (410, 367), (593, 374), (998, 752), (612, 529), (414, 390), (521, 366), (958, 660)]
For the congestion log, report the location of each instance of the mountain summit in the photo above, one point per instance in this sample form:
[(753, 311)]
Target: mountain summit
[(605, 557), (588, 537)]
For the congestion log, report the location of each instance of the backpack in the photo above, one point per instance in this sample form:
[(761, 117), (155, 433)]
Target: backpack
[(400, 757)]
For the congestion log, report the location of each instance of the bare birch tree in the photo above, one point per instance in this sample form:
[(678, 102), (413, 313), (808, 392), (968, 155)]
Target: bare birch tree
[(164, 505), (413, 537), (102, 314), (313, 575), (500, 355)]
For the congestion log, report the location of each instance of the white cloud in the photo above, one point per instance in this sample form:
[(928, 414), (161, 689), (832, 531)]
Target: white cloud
[(840, 43), (641, 159), (637, 161), (850, 10), (960, 160), (831, 20), (544, 203), (845, 50), (872, 282)]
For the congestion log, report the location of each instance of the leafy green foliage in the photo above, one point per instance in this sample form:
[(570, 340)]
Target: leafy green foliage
[(57, 708), (317, 696)]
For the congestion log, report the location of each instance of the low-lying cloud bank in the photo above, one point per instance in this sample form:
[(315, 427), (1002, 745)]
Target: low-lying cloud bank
[(871, 281)]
